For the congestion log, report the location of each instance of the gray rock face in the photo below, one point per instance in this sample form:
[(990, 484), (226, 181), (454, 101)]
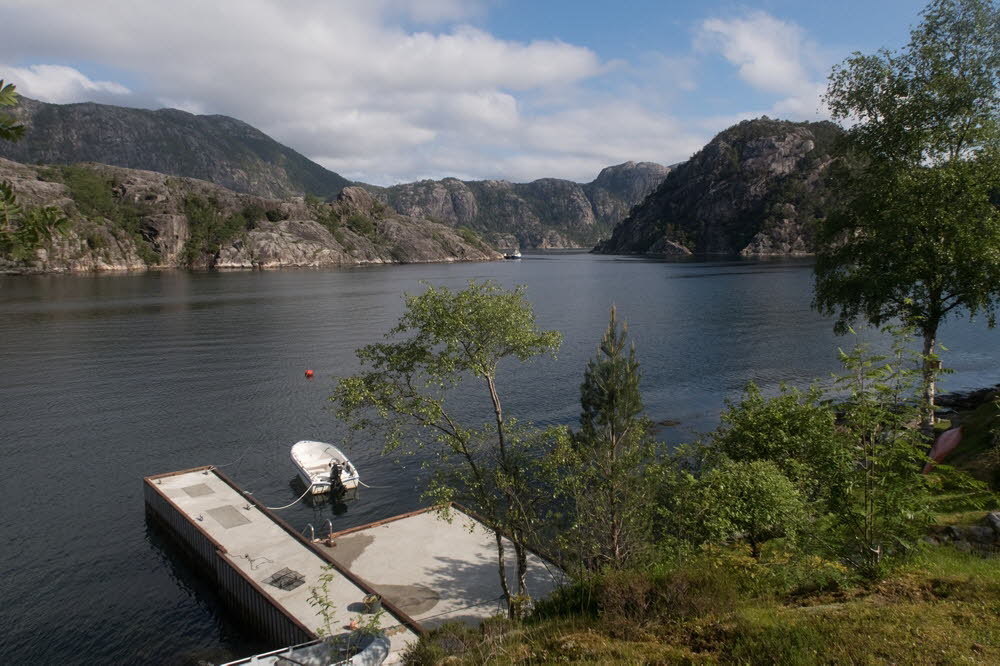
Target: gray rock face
[(225, 151), (252, 232), (546, 213), (755, 189), (218, 149), (993, 519)]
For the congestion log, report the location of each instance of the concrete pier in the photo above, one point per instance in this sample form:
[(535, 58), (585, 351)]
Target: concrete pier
[(264, 569), (426, 569), (438, 570)]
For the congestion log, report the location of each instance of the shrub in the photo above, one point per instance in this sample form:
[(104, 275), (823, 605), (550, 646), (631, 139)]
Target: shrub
[(209, 228), (361, 225)]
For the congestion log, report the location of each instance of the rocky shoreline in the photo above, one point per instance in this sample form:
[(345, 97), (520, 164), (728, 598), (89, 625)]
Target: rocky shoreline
[(131, 220)]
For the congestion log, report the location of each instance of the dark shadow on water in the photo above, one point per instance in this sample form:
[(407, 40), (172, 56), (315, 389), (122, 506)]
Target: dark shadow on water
[(336, 503), (237, 638)]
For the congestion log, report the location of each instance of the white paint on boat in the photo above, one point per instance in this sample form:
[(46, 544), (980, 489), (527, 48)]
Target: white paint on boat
[(314, 461)]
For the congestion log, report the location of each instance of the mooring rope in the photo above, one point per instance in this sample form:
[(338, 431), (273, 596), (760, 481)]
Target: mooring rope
[(243, 455), (279, 508), (362, 483)]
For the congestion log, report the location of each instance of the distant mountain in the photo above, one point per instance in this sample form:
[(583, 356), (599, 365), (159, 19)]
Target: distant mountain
[(544, 213), (755, 189), (215, 148), (228, 152)]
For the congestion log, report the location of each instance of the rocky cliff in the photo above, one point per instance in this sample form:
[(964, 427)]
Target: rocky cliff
[(127, 219), (222, 150), (215, 148), (546, 213), (755, 189)]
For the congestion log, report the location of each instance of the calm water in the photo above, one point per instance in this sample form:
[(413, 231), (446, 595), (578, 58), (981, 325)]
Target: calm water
[(106, 379)]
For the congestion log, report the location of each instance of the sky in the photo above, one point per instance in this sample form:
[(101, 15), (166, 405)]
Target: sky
[(390, 91)]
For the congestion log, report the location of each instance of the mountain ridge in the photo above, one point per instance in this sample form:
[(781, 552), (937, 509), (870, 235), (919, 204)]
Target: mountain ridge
[(217, 148), (756, 189), (543, 213), (547, 212)]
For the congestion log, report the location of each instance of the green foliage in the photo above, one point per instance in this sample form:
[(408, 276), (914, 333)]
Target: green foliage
[(23, 232), (473, 239), (275, 215), (752, 499), (10, 209), (210, 229), (776, 465), (10, 130), (94, 194), (916, 233), (606, 470), (328, 216), (444, 341), (319, 598), (361, 224), (253, 213), (883, 507), (796, 431)]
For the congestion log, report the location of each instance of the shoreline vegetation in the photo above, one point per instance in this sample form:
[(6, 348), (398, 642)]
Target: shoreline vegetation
[(801, 530), (90, 218)]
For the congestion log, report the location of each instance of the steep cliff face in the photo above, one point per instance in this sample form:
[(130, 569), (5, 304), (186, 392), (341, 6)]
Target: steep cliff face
[(755, 189), (218, 149), (545, 213), (126, 219)]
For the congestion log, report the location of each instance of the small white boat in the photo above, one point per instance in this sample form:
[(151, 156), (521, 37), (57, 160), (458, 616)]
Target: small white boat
[(317, 462), (516, 254)]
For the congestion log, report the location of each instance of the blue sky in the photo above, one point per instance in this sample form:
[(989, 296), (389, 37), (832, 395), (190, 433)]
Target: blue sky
[(391, 90)]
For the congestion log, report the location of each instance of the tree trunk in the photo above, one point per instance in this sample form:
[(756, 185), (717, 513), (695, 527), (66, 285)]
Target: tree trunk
[(522, 569), (501, 565), (931, 367)]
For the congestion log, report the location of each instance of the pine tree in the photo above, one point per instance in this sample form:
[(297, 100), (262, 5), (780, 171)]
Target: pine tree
[(604, 469)]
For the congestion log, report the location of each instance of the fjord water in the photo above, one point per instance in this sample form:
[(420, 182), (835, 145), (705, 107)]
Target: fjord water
[(106, 379)]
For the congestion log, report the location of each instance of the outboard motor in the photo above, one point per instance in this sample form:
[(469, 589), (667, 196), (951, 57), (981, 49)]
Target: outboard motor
[(336, 483)]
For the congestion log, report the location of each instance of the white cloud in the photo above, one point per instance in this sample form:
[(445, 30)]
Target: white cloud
[(390, 90), (58, 83), (771, 55)]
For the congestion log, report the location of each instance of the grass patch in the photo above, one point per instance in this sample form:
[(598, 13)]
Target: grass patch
[(716, 607)]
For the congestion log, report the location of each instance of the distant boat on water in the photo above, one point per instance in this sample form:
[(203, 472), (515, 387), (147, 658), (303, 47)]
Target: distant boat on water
[(513, 254)]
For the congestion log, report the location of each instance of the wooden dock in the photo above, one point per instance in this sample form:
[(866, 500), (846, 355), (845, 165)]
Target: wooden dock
[(427, 570)]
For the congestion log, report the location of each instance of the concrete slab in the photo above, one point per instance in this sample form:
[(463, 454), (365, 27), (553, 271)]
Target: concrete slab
[(260, 548), (436, 570), (429, 569)]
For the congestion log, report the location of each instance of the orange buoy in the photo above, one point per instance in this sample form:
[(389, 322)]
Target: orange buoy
[(309, 374)]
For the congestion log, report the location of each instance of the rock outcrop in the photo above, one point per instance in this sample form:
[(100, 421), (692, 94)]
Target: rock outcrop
[(126, 219), (983, 538), (545, 213), (755, 189), (215, 148)]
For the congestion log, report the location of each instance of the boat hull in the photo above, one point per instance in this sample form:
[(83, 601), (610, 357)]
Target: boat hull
[(312, 462)]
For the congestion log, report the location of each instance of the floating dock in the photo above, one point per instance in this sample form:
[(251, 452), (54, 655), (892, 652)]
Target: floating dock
[(426, 569)]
